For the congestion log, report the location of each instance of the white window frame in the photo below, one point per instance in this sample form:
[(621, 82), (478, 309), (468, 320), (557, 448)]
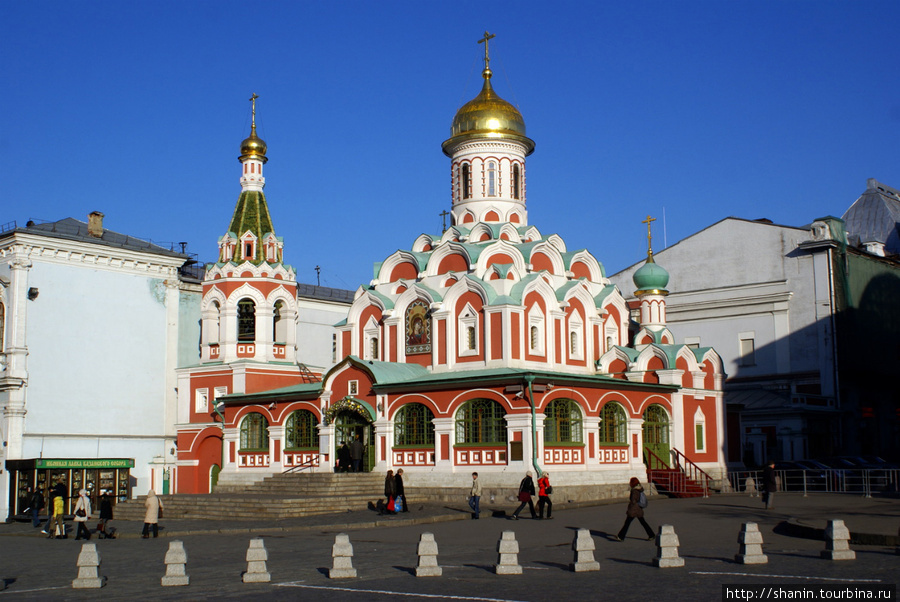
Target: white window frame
[(468, 318), (700, 420), (371, 333), (746, 360), (201, 401), (576, 329), (536, 319)]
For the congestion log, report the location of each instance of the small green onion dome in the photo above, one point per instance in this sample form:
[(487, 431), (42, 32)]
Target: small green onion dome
[(651, 276)]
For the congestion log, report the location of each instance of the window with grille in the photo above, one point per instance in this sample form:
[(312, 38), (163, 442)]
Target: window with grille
[(613, 424), (301, 431), (465, 181), (562, 422), (515, 181), (254, 433), (492, 178), (246, 311), (481, 421), (413, 425)]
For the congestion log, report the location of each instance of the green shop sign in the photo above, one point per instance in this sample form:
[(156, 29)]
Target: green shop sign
[(88, 463)]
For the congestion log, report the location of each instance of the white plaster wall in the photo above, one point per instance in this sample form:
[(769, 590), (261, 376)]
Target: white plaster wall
[(96, 366), (738, 276), (315, 328)]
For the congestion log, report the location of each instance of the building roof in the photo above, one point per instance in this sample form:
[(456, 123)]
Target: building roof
[(324, 293), (76, 230), (875, 217)]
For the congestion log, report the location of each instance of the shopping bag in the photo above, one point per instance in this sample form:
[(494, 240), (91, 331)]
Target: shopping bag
[(390, 504), (398, 504)]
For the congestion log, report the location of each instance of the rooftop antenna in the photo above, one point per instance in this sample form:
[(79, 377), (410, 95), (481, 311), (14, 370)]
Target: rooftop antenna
[(318, 269)]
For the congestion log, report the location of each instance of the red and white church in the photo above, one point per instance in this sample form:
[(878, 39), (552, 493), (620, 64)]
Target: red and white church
[(488, 347)]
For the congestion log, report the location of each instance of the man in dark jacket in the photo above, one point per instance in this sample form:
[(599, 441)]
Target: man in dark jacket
[(37, 504), (356, 454), (770, 484)]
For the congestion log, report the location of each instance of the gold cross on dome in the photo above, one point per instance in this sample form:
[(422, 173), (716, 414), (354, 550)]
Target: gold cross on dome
[(253, 103), (487, 58), (648, 221)]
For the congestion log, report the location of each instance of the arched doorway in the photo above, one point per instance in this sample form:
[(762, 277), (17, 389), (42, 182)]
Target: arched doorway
[(656, 432), (347, 426)]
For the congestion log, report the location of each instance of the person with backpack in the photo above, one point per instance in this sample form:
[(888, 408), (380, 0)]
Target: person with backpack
[(544, 491), (637, 501)]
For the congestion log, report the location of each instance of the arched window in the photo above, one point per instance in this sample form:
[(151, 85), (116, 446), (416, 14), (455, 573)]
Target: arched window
[(465, 181), (515, 181), (301, 432), (562, 422), (492, 178), (413, 425), (481, 421), (254, 433), (613, 424), (470, 338), (246, 315), (279, 325), (214, 323), (573, 343), (373, 348), (535, 338)]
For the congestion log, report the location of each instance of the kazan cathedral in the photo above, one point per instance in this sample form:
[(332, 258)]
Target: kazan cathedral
[(491, 347)]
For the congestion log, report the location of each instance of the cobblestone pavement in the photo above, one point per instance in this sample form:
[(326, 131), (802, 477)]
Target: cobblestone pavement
[(33, 567)]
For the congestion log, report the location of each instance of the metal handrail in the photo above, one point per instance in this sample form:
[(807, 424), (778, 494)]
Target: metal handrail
[(302, 466), (696, 474)]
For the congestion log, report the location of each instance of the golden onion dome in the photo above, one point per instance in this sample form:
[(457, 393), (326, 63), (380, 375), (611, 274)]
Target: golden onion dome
[(253, 147), (487, 116)]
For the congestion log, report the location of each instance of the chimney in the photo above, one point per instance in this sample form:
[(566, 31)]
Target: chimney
[(95, 224)]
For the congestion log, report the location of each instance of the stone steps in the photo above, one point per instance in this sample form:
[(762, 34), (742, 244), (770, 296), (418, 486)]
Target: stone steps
[(289, 495)]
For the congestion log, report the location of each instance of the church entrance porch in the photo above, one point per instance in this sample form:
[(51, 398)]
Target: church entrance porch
[(350, 425)]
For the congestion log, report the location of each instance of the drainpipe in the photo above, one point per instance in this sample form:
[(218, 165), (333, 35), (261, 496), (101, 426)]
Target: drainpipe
[(529, 380), (218, 411)]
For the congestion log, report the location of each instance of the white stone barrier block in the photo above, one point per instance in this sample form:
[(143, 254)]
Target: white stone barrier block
[(428, 557), (751, 541), (508, 549), (667, 548), (342, 558), (176, 559), (88, 568), (257, 555), (837, 542), (583, 545)]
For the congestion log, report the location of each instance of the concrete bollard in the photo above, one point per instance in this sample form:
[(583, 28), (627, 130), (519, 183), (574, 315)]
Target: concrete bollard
[(751, 541), (583, 545), (176, 559), (508, 548), (256, 563), (750, 487), (342, 558), (88, 568), (667, 548), (428, 553), (837, 542)]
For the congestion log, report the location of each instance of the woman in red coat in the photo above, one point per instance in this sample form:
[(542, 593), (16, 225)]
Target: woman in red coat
[(544, 496)]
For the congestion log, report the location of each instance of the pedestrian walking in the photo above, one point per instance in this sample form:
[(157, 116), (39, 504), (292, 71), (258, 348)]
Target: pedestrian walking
[(770, 485), (356, 454), (60, 491), (401, 504), (151, 518), (37, 504), (82, 515), (544, 491), (475, 496), (104, 531), (637, 501), (526, 490)]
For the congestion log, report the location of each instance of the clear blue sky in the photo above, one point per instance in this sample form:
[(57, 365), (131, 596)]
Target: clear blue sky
[(699, 110)]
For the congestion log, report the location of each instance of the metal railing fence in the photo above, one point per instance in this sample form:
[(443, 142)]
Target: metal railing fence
[(864, 482)]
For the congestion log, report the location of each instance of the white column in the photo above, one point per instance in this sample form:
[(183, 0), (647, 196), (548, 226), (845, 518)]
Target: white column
[(443, 426)]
